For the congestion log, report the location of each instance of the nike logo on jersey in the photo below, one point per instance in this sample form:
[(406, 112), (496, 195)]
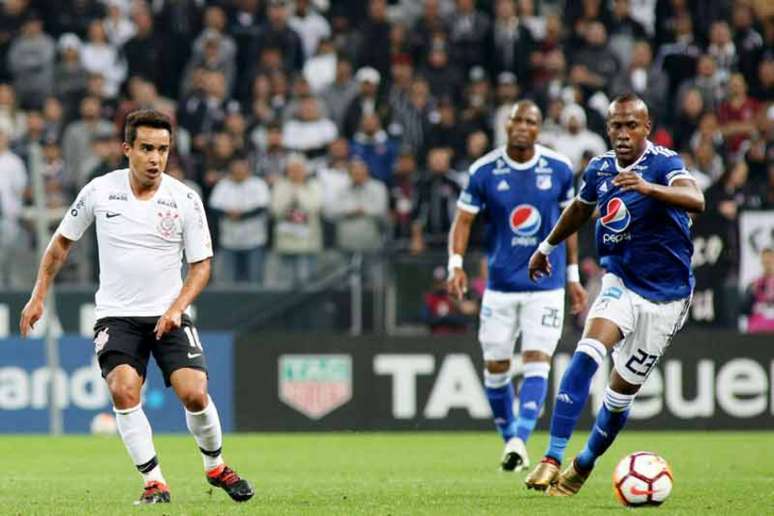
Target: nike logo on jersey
[(502, 186), (194, 355), (112, 214)]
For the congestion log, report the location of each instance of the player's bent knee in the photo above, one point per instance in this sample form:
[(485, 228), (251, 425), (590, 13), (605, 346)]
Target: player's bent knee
[(194, 399), (498, 366), (536, 369), (125, 394), (621, 386)]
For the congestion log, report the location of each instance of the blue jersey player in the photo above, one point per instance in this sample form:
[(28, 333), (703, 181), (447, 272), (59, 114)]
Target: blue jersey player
[(643, 194), (521, 188)]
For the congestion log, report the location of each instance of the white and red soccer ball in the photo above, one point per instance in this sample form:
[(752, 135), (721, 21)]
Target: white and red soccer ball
[(642, 478)]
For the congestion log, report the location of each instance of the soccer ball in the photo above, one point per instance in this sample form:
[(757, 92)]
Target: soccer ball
[(104, 424), (642, 478)]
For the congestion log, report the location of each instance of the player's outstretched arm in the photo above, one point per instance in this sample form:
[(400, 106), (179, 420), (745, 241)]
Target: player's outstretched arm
[(573, 217), (197, 278), (682, 193), (55, 255), (459, 235)]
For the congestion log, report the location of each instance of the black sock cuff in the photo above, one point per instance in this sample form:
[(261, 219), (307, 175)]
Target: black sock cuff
[(148, 466), (213, 453)]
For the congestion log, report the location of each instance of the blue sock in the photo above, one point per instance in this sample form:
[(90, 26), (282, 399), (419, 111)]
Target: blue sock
[(501, 401), (610, 420), (573, 392), (531, 397)]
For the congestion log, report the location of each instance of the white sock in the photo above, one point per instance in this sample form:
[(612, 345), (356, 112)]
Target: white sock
[(136, 433), (205, 427)]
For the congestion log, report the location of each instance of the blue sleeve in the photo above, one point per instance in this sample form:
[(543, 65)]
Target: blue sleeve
[(588, 188), (472, 197), (671, 169), (568, 188)]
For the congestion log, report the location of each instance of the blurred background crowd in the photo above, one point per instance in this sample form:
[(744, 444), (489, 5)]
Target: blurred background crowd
[(319, 129)]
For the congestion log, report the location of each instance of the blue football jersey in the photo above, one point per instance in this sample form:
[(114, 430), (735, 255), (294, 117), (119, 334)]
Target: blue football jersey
[(645, 242), (522, 201)]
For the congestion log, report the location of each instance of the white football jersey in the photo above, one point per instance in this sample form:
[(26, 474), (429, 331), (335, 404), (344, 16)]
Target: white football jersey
[(141, 242)]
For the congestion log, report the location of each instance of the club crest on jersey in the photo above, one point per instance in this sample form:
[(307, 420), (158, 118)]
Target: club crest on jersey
[(617, 216), (525, 220), (167, 226), (544, 182)]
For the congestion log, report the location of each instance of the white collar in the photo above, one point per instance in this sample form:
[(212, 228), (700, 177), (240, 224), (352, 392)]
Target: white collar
[(521, 166), (618, 167)]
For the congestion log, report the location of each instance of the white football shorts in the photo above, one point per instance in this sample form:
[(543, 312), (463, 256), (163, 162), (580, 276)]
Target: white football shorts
[(536, 316), (647, 326)]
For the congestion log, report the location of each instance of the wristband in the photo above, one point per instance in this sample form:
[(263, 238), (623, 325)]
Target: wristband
[(545, 248), (455, 262), (573, 275)]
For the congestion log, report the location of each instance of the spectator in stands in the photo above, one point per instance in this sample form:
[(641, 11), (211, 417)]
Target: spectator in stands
[(219, 154), (333, 177), (758, 304), (341, 93), (308, 131), (31, 60), (413, 117), (320, 69), (213, 57), (373, 39), (271, 157), (296, 204), (58, 194), (444, 131), (624, 32), (13, 182), (737, 113), (99, 56), (77, 138), (361, 212), (721, 47), (748, 42), (690, 110), (367, 100), (402, 196), (110, 152), (476, 146), (430, 26), (510, 44), (644, 79), (442, 74), (240, 201), (677, 58), (435, 204), (763, 82), (310, 25), (53, 114), (594, 66), (215, 22), (468, 33), (443, 313), (70, 76), (144, 52), (209, 110), (507, 93), (118, 26), (576, 138), (276, 33), (373, 145)]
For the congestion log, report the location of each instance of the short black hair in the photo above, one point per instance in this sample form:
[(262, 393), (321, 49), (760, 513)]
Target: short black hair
[(145, 118)]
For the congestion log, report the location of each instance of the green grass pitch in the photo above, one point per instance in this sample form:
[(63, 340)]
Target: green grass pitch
[(375, 473)]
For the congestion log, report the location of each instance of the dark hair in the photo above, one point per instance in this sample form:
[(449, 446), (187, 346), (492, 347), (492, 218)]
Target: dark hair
[(145, 118)]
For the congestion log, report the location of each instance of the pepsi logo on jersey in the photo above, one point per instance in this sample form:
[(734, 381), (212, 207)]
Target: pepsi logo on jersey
[(616, 218), (525, 221)]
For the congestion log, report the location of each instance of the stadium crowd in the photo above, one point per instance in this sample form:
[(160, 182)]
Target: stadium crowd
[(349, 125)]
